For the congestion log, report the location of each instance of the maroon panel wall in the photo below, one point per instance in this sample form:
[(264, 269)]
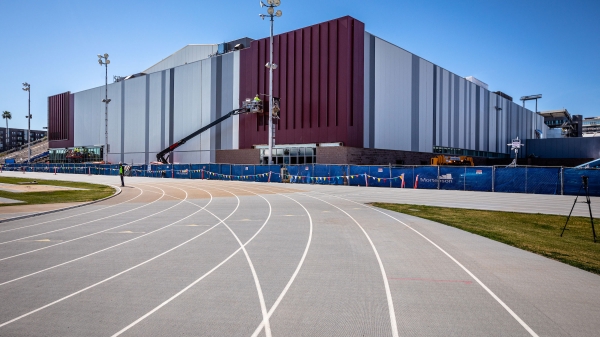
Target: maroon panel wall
[(320, 80), (60, 120)]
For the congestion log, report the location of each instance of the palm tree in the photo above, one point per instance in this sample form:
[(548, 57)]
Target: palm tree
[(6, 115)]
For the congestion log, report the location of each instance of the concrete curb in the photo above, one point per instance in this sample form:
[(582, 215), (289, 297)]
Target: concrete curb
[(63, 209)]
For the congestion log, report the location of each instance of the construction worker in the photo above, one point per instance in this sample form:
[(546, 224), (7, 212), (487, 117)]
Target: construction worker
[(121, 173), (257, 99)]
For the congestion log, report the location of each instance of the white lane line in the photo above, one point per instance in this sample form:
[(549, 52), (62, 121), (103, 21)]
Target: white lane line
[(289, 284), (85, 236), (99, 251), (81, 224), (388, 292), (506, 307), (263, 306), (101, 209), (118, 274)]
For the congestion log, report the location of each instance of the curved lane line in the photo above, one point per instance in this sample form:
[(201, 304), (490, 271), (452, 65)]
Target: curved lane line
[(289, 284), (97, 252), (242, 247), (120, 273), (81, 224), (41, 223), (489, 291), (388, 293), (102, 231)]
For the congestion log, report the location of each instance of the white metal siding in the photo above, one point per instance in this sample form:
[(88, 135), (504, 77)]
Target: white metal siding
[(186, 110), (135, 120), (393, 69), (188, 54), (89, 117), (155, 116)]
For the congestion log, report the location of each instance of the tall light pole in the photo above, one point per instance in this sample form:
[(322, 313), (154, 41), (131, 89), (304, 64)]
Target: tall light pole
[(27, 87), (271, 4), (104, 61)]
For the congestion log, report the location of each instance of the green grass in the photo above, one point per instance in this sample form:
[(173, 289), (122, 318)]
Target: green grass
[(537, 233), (92, 192)]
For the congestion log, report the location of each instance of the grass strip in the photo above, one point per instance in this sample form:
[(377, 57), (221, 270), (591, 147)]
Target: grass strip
[(92, 192), (537, 233)]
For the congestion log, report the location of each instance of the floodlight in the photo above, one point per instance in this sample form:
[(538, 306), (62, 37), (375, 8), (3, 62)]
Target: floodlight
[(107, 61), (277, 3), (270, 2), (270, 10), (278, 13), (105, 56), (99, 56)]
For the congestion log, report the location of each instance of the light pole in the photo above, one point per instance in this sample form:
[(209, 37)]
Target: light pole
[(104, 61), (271, 4), (27, 87)]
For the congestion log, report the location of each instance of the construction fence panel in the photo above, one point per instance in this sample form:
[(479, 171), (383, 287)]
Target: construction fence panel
[(338, 173), (276, 173), (510, 179), (543, 180), (197, 171), (573, 181), (225, 170), (181, 171), (452, 177), (162, 171), (239, 172), (262, 173), (300, 174), (213, 171), (479, 179), (358, 175), (321, 174), (379, 176), (426, 177), (400, 174)]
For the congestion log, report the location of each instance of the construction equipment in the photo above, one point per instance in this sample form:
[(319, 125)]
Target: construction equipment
[(452, 160), (248, 106)]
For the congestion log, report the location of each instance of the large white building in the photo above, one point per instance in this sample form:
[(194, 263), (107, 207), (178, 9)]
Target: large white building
[(338, 85)]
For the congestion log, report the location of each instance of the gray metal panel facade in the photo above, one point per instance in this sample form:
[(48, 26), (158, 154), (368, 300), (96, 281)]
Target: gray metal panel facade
[(416, 105), (140, 112), (579, 147)]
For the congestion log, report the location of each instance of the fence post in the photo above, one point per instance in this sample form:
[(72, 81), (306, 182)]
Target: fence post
[(526, 169), (493, 177), (562, 172), (390, 174)]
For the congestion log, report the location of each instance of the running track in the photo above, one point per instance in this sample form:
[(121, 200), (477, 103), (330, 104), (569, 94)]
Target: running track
[(219, 258)]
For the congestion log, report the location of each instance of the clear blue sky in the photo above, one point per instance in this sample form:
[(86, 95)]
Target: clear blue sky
[(520, 47)]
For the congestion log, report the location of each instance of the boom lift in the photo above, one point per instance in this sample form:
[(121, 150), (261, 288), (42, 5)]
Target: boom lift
[(248, 106)]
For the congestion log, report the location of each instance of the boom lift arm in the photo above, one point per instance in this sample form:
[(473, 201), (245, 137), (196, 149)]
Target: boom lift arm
[(161, 155)]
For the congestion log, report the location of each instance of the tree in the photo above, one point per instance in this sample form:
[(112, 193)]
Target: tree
[(7, 115)]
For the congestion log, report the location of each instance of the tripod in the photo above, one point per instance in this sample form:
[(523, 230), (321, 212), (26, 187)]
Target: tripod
[(584, 186)]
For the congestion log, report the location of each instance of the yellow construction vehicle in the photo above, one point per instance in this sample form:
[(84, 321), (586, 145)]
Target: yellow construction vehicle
[(452, 160)]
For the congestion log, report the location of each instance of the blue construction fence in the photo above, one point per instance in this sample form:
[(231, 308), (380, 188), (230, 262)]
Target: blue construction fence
[(521, 179)]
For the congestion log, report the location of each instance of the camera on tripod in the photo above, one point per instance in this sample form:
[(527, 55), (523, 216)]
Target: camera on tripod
[(585, 188)]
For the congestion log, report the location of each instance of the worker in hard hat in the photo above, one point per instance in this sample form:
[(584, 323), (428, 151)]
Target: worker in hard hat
[(256, 99)]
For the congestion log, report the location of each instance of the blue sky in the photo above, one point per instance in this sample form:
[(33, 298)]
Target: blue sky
[(520, 47)]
